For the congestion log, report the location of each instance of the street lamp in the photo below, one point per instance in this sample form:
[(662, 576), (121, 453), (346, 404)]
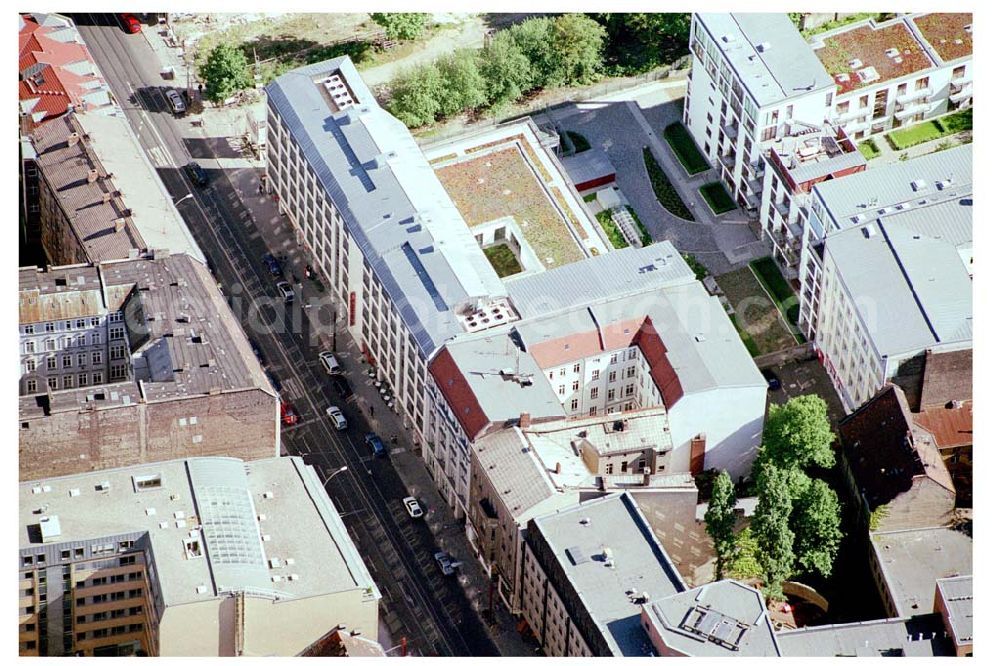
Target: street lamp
[(329, 478), (189, 195)]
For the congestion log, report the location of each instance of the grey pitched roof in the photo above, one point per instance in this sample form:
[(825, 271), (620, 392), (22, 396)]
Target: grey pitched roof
[(733, 614), (640, 563), (786, 68), (588, 165), (868, 192), (908, 276), (393, 205)]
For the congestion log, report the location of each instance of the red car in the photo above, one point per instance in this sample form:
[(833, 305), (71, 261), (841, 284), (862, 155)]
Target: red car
[(288, 415), (130, 23)]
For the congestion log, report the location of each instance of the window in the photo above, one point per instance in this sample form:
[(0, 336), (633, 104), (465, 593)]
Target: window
[(863, 101), (576, 367), (81, 359), (958, 72), (116, 333), (29, 329), (769, 133), (576, 386), (50, 326), (98, 377), (624, 466), (95, 338), (614, 358), (613, 376), (842, 108), (31, 386), (68, 381), (631, 353), (29, 365), (29, 347), (82, 379), (611, 394), (594, 375), (94, 321), (96, 358), (562, 389), (119, 372), (923, 82), (53, 383), (829, 99), (630, 372), (562, 372), (593, 393), (118, 351), (50, 344), (50, 362), (630, 389), (574, 403), (67, 361)]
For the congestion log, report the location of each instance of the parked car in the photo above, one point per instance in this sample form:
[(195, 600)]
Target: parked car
[(412, 507), (343, 388), (273, 267), (329, 362), (443, 560), (196, 174), (130, 23), (773, 383), (288, 415), (273, 378), (286, 291), (374, 442), (339, 422), (176, 102)]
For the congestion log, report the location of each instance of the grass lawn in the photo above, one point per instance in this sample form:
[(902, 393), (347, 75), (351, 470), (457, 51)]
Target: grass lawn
[(930, 130), (503, 260), (869, 149), (611, 229), (663, 189), (756, 317), (683, 146), (717, 198), (579, 141), (590, 197), (700, 271), (777, 286)]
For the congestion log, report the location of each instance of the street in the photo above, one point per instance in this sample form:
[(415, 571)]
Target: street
[(430, 610)]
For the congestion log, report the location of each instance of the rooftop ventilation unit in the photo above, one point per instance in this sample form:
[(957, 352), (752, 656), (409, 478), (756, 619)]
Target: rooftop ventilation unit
[(855, 64), (892, 53), (868, 75), (918, 184), (763, 46), (50, 528)]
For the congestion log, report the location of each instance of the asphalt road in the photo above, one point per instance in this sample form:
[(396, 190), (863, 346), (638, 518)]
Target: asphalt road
[(433, 612)]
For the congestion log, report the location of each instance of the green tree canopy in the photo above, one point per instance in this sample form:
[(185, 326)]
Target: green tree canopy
[(414, 98), (797, 435), (401, 25), (462, 86), (638, 42), (815, 520), (534, 39), (770, 528), (505, 70), (225, 72), (720, 521), (578, 48)]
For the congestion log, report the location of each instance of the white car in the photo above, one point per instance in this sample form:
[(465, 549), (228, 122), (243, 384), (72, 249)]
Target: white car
[(286, 290), (339, 422), (443, 560), (329, 362), (413, 507)]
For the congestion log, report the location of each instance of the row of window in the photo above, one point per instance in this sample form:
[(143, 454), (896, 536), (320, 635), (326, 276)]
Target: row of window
[(110, 596), (109, 615), (108, 631), (114, 579), (78, 553), (68, 325), (96, 358), (72, 381), (53, 344)]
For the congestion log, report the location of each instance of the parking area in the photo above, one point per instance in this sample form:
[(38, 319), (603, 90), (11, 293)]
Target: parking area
[(803, 377)]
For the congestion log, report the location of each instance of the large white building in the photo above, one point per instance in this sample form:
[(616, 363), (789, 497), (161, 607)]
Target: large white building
[(755, 80), (887, 269)]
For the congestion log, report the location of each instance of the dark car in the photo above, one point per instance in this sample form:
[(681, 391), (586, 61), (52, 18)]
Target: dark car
[(773, 383), (375, 443), (257, 352), (196, 174), (273, 378), (343, 388), (273, 267)]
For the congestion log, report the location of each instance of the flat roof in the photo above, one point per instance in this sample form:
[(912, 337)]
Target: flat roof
[(885, 51), (956, 593), (922, 636), (227, 507), (587, 166), (616, 527), (948, 34), (912, 560), (721, 619), (394, 206), (768, 55)]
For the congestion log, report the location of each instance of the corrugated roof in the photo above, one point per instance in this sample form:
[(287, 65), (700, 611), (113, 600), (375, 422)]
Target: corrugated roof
[(394, 207), (956, 592)]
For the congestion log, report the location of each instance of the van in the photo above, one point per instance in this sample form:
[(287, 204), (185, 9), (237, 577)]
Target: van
[(329, 362), (375, 443)]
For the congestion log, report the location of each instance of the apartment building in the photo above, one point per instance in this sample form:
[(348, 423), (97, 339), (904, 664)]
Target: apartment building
[(366, 204), (99, 197), (533, 469), (755, 80), (135, 361), (193, 557), (588, 570), (887, 269)]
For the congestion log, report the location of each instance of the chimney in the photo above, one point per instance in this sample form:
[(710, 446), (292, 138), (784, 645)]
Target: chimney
[(524, 421), (119, 225), (92, 175), (106, 197), (73, 139), (558, 467)]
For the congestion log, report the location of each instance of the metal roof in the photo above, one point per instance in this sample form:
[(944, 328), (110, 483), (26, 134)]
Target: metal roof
[(767, 53), (393, 205), (639, 563)]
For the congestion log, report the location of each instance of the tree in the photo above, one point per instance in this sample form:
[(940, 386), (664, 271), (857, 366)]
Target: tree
[(505, 70), (225, 72), (720, 521), (638, 42), (401, 25), (770, 528), (797, 435), (578, 48), (414, 95), (533, 38), (815, 521), (462, 86)]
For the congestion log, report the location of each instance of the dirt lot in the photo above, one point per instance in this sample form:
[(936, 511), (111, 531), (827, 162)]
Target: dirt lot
[(755, 313)]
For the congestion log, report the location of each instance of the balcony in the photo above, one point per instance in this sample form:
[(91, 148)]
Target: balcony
[(909, 112), (730, 131), (756, 186), (961, 81), (913, 96), (848, 116), (963, 94), (782, 208), (729, 160)]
